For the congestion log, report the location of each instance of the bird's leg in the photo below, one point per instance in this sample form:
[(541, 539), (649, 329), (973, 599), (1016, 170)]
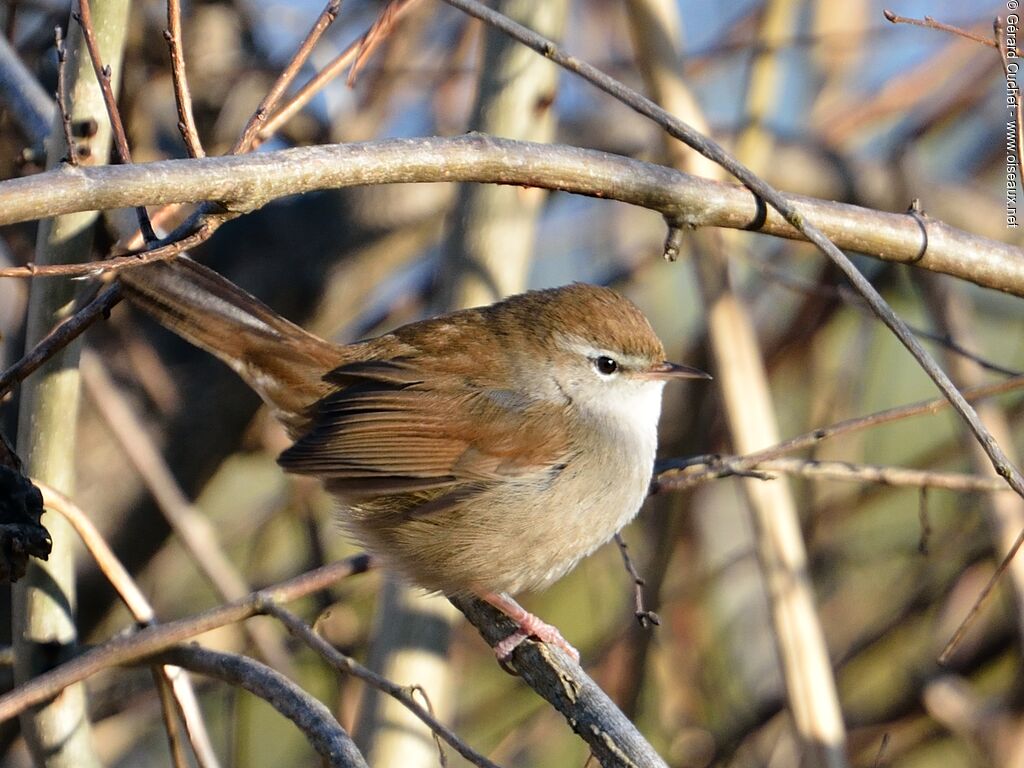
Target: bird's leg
[(529, 626)]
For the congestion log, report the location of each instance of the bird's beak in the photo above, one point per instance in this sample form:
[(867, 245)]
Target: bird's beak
[(666, 370)]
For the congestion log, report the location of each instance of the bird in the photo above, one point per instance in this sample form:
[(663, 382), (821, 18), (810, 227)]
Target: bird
[(483, 452)]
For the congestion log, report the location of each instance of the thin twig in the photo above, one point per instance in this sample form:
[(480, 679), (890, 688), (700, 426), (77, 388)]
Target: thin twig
[(442, 757), (643, 616), (127, 649), (882, 748), (60, 337), (182, 95), (172, 727), (109, 564), (192, 716), (160, 250), (376, 34), (897, 476), (61, 96), (84, 18), (259, 117), (980, 601), (850, 298), (403, 694), (931, 23), (669, 477), (317, 83)]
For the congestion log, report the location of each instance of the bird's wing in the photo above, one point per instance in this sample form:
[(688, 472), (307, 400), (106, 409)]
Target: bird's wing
[(387, 430)]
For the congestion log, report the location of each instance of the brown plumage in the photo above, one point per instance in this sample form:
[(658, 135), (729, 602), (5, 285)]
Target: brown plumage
[(483, 451)]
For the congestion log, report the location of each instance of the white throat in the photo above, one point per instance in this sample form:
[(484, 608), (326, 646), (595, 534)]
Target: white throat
[(627, 412)]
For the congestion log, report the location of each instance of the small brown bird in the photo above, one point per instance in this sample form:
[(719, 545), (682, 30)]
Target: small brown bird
[(483, 452)]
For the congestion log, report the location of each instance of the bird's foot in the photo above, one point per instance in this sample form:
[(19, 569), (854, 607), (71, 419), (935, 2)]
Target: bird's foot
[(529, 626)]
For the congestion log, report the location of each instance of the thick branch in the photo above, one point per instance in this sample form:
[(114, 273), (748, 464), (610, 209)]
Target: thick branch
[(248, 182)]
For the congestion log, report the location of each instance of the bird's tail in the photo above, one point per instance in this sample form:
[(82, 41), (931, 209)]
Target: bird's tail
[(283, 363)]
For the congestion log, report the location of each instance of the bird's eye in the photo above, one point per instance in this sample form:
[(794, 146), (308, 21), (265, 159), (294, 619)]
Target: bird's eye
[(605, 365)]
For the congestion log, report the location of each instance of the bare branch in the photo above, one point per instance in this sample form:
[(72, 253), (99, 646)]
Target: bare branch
[(317, 83), (60, 337), (613, 739), (324, 20), (312, 717), (930, 23), (160, 250), (869, 473), (146, 642), (404, 694), (668, 475), (644, 617), (244, 183)]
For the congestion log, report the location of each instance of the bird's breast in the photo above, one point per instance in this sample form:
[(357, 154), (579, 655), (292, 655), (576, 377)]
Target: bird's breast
[(527, 530)]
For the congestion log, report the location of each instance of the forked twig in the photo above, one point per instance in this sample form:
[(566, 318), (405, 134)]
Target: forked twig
[(901, 477), (259, 117), (317, 83)]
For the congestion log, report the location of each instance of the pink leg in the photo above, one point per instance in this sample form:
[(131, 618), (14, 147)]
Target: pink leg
[(529, 626)]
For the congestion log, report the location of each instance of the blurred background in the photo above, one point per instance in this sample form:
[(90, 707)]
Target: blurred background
[(823, 98)]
